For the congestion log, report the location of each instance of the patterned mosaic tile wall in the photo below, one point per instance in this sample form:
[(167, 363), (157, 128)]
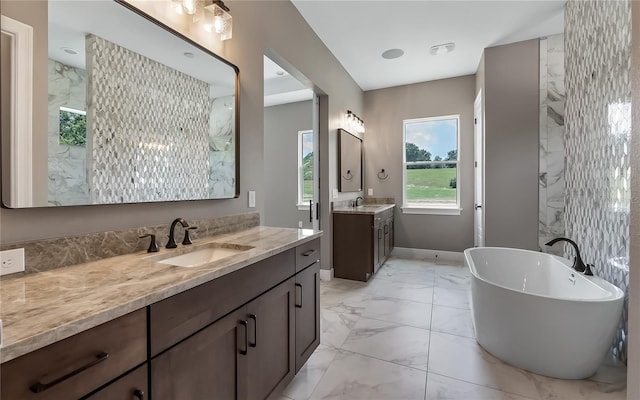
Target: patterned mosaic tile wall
[(67, 167), (160, 153), (598, 129), (552, 103)]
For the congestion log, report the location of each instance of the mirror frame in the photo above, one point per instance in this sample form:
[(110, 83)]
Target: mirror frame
[(5, 192), (342, 134)]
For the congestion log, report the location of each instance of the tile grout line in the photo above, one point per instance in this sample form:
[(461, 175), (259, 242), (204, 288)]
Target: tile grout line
[(426, 378)]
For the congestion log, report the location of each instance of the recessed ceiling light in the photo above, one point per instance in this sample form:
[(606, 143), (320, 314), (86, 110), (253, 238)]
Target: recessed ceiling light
[(69, 50), (279, 73), (189, 55), (392, 53), (441, 49)]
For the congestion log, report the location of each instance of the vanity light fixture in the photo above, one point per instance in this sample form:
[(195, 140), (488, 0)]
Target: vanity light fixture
[(353, 123), (215, 15), (441, 49), (217, 19)]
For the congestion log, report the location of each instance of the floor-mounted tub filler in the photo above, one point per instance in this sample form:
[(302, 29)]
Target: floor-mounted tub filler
[(534, 311)]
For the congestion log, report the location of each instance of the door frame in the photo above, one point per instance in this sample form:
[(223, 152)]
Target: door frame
[(478, 163)]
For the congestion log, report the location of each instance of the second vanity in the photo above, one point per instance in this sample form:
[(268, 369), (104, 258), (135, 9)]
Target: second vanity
[(363, 238), (130, 327)]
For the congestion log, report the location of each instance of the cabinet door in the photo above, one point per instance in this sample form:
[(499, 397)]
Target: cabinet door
[(131, 386), (271, 341), (307, 301), (376, 247), (210, 364), (387, 238)]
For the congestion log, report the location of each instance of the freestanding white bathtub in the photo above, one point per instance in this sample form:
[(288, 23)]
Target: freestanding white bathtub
[(534, 311)]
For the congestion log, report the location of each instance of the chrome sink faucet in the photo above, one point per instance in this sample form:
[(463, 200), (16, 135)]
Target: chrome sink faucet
[(357, 202), (171, 244), (578, 264)]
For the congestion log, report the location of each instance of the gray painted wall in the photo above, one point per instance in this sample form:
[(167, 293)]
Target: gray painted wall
[(511, 144), (385, 109), (259, 26), (281, 126)]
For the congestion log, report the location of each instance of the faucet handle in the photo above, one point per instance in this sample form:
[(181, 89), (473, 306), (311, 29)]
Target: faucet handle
[(587, 270), (153, 245), (187, 239)]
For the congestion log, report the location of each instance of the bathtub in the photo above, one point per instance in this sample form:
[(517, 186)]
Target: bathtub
[(534, 311)]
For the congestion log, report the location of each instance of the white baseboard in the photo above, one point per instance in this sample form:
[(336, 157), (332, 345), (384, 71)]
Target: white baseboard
[(406, 252), (326, 274)]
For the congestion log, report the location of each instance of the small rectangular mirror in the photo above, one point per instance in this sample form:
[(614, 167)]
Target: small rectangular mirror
[(349, 162)]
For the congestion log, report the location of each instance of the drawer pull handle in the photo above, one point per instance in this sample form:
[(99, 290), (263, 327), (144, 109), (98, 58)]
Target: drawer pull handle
[(300, 286), (255, 330), (40, 387), (309, 252), (246, 337), (138, 394)]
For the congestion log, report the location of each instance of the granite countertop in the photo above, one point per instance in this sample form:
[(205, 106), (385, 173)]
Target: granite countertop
[(364, 209), (42, 308)]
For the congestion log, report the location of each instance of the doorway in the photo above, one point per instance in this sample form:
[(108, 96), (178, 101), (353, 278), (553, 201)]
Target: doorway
[(478, 164), (291, 162)]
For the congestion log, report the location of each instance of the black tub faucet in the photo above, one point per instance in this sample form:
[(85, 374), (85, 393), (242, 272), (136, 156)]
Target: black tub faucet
[(171, 244), (578, 264)]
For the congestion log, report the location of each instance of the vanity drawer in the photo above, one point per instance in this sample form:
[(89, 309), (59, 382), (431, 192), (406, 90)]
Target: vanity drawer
[(178, 317), (75, 366), (307, 254)]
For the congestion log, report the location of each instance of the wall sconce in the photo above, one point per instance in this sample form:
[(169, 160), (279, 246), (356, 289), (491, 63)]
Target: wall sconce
[(353, 123), (214, 13)]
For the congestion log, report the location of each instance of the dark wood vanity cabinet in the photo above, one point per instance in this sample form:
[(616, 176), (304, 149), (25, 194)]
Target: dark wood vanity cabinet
[(361, 243), (242, 336)]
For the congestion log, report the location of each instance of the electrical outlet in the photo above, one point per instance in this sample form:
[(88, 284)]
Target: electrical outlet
[(299, 224), (335, 193), (11, 261), (370, 192), (252, 198)]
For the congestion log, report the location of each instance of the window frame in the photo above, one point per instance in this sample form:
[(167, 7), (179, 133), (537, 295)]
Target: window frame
[(430, 208), (302, 205)]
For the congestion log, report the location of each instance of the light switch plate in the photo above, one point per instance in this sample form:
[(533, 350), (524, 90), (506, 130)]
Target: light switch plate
[(370, 192), (252, 198), (11, 261)]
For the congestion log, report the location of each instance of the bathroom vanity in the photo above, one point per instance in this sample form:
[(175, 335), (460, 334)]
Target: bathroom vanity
[(362, 240), (130, 327)]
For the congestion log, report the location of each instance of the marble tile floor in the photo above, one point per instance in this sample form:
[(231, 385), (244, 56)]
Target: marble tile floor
[(407, 334)]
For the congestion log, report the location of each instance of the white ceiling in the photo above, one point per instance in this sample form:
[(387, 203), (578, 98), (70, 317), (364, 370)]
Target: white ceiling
[(358, 32), (282, 88)]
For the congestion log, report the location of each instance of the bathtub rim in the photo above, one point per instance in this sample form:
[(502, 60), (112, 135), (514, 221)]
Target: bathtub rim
[(615, 293)]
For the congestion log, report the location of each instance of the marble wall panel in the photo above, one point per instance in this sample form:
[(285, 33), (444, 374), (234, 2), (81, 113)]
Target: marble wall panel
[(68, 183), (598, 131), (551, 163)]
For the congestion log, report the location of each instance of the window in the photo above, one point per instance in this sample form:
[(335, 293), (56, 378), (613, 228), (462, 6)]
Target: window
[(305, 168), (73, 126), (431, 172)]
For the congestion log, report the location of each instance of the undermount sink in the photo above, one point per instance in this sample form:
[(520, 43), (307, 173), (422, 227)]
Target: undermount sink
[(211, 253)]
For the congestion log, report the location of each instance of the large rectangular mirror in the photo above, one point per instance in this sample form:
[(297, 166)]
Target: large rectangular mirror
[(136, 113), (349, 162)]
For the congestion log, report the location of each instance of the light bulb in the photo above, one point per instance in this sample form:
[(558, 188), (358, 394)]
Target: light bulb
[(218, 24), (189, 6)]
